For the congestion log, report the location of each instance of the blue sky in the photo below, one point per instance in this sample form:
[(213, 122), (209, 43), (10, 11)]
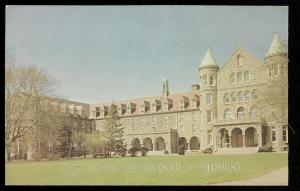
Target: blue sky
[(99, 53)]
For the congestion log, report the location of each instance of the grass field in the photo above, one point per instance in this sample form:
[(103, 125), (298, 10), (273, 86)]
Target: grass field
[(150, 170)]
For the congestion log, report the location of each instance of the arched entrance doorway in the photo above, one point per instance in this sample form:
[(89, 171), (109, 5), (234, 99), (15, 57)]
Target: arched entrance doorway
[(194, 143), (147, 142), (183, 141), (224, 142), (135, 143), (236, 138), (160, 144), (250, 137)]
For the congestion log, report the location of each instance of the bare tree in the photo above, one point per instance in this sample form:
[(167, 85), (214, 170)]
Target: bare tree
[(25, 85)]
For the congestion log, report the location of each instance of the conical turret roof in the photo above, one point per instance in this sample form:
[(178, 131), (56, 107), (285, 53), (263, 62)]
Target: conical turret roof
[(209, 60), (276, 46)]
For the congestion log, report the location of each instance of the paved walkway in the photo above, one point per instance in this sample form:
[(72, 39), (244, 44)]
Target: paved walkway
[(274, 178)]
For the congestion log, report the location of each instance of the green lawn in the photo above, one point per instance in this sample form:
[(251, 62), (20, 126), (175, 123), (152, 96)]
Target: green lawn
[(150, 170)]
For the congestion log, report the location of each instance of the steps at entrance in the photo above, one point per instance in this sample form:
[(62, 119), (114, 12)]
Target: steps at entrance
[(239, 150)]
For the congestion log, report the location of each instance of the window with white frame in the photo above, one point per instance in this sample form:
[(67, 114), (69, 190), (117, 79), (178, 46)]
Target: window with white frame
[(253, 112), (246, 76), (247, 95), (233, 97), (239, 77), (208, 98), (241, 96), (227, 114), (226, 98), (232, 78), (241, 113)]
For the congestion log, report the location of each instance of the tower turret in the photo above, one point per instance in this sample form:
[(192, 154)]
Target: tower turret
[(165, 87)]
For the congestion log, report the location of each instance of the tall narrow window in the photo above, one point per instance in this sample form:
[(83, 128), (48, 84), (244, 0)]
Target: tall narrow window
[(253, 112), (211, 80), (232, 78), (226, 98), (275, 69), (239, 61), (239, 77), (273, 134), (205, 79), (233, 97), (240, 113), (254, 94), (241, 96), (270, 71), (246, 76), (209, 113), (227, 114), (247, 95), (284, 133), (97, 111)]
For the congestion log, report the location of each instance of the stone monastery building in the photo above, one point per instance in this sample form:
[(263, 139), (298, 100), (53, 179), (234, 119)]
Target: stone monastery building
[(238, 107), (242, 105)]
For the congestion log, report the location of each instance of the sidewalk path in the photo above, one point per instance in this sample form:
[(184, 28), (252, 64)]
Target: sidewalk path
[(274, 178)]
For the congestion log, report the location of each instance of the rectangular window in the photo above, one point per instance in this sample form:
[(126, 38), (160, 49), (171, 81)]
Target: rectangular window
[(284, 134), (208, 98), (211, 80), (275, 70), (209, 116), (273, 134), (270, 71)]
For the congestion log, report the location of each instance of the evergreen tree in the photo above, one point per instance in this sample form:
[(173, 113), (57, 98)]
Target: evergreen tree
[(64, 141), (113, 132)]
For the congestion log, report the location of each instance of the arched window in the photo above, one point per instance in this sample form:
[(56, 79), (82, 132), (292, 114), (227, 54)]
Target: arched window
[(240, 113), (254, 94), (233, 97), (241, 96), (247, 95), (227, 114), (253, 112), (239, 77), (226, 98), (239, 61), (211, 80), (204, 79), (232, 78), (246, 76)]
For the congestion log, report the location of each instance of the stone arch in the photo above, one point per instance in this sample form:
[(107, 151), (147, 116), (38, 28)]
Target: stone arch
[(147, 142), (236, 137), (194, 143), (183, 141), (136, 143), (160, 144), (251, 139), (224, 138)]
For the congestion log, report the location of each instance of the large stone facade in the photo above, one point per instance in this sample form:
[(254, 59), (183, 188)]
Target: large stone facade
[(233, 106)]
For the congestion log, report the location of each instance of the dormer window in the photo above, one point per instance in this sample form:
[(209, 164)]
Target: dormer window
[(103, 111), (145, 105), (155, 105), (183, 103), (97, 111), (167, 104), (71, 109), (121, 109), (130, 108)]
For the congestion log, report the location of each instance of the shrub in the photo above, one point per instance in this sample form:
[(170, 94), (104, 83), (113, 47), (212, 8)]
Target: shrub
[(266, 148), (133, 151), (181, 150), (144, 151), (166, 152), (208, 150)]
